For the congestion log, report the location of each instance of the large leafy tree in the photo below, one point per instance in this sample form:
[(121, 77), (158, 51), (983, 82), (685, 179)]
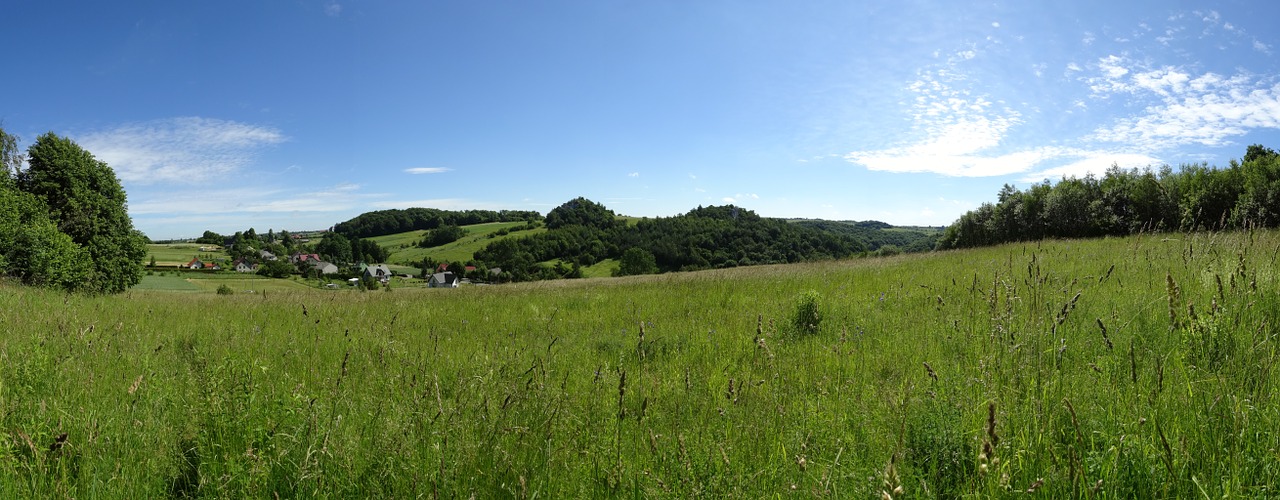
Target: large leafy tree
[(87, 203), (336, 248), (31, 247)]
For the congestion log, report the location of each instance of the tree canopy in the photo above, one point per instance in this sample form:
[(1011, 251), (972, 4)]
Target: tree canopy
[(1246, 194), (383, 222), (704, 238), (582, 212), (65, 222), (87, 202)]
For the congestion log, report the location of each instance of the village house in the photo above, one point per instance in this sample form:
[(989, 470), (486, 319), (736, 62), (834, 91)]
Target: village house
[(443, 280), (324, 267), (379, 272), (244, 266), (303, 257), (196, 263)]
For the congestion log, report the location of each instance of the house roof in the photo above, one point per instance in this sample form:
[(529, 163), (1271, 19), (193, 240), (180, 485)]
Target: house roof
[(445, 278)]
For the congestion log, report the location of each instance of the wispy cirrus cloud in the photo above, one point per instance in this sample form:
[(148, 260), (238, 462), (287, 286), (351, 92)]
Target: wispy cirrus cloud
[(427, 170), (960, 130), (185, 150), (255, 200), (441, 203), (333, 9), (1154, 103), (1182, 108)]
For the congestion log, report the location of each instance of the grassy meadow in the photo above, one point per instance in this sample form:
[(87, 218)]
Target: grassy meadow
[(1117, 368), (176, 254), (404, 246)]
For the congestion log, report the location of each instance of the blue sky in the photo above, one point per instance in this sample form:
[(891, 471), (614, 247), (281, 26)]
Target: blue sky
[(297, 114)]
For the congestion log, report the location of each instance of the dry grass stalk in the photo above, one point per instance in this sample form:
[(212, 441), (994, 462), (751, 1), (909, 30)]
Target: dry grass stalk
[(989, 444), (134, 387), (892, 483), (1104, 334)]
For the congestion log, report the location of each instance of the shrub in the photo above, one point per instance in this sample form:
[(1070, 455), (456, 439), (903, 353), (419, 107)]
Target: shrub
[(807, 315), (225, 290)]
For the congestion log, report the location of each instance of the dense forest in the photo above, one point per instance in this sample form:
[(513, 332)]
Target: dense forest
[(384, 222), (880, 236), (582, 232), (1244, 195)]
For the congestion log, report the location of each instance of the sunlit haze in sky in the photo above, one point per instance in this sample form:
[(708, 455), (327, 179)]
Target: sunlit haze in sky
[(300, 114)]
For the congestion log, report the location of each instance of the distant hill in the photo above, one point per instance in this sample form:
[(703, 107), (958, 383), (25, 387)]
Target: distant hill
[(582, 238), (582, 233), (387, 222), (878, 235)]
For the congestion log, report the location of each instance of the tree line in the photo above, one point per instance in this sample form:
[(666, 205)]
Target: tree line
[(384, 222), (63, 221), (1246, 194), (582, 232)]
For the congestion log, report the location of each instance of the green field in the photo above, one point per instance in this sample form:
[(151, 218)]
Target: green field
[(1140, 367), (175, 254), (404, 249), (190, 281)]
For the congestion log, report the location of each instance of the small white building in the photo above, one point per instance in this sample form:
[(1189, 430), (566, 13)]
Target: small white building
[(443, 280)]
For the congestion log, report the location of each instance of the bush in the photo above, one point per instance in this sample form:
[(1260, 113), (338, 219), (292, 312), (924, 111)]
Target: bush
[(225, 290), (807, 315)]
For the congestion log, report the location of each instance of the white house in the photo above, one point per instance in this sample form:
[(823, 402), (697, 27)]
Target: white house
[(244, 266), (443, 280), (379, 272)]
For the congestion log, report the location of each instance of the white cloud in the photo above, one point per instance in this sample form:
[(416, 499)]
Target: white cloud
[(187, 150), (966, 54), (633, 174), (729, 200), (255, 200), (1094, 162), (427, 170), (333, 9), (995, 24), (1089, 38), (960, 133), (1182, 108), (440, 203), (1261, 47), (955, 165)]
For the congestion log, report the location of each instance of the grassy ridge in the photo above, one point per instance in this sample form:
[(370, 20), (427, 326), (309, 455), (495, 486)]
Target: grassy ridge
[(404, 249), (1137, 367)]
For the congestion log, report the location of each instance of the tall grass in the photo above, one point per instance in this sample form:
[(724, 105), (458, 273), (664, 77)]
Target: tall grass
[(1136, 367)]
